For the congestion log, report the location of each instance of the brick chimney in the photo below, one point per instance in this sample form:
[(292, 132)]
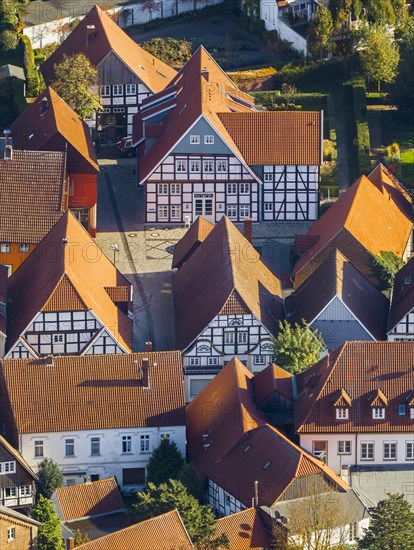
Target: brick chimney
[(45, 104), (148, 347), (8, 147), (90, 34), (70, 543), (145, 383), (248, 229)]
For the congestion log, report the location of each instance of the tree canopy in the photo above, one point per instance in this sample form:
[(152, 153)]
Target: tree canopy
[(165, 463), (49, 535), (320, 32), (380, 55), (198, 519), (391, 527), (76, 82), (385, 265), (297, 347), (49, 478)]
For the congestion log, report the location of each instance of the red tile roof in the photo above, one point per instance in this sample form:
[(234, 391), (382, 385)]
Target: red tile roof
[(245, 530), (376, 214), (273, 379), (336, 276), (165, 532), (276, 137), (39, 128), (33, 196), (402, 295), (88, 499), (224, 263), (101, 392), (365, 371), (67, 277), (197, 233), (109, 37)]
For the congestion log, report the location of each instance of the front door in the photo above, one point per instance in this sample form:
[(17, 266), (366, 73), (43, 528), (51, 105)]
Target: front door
[(204, 206)]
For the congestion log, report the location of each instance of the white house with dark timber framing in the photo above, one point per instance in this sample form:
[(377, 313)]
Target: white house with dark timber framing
[(204, 150), (127, 73), (401, 318), (226, 303)]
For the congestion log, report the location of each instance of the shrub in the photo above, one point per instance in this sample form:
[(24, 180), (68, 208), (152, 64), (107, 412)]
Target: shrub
[(32, 77), (8, 40), (172, 51)]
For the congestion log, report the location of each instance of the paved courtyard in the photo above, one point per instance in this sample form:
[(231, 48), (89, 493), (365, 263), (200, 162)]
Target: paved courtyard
[(143, 253)]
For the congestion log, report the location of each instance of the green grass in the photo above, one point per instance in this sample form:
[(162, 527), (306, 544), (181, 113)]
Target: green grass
[(407, 160)]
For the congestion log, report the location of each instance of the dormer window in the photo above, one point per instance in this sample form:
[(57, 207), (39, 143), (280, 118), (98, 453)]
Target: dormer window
[(378, 413), (342, 413)]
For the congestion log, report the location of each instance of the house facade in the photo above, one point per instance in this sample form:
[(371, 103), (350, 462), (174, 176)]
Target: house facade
[(68, 299), (16, 478), (116, 410), (49, 124), (17, 530), (204, 150), (355, 408), (401, 318), (127, 73), (226, 302)]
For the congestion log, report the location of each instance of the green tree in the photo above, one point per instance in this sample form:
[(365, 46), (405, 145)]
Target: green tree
[(49, 478), (189, 478), (380, 12), (8, 40), (165, 462), (297, 347), (320, 32), (198, 519), (391, 527), (49, 536), (380, 56), (76, 82), (340, 10), (385, 265)]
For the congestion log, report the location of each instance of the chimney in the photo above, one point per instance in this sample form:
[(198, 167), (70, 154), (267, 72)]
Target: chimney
[(90, 34), (145, 375), (49, 360), (248, 229), (70, 543), (205, 73), (8, 147), (45, 104), (88, 480), (148, 347)]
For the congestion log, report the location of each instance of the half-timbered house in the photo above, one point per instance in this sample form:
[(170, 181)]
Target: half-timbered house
[(50, 124), (204, 150), (68, 298), (401, 318), (127, 73), (226, 302), (16, 478)]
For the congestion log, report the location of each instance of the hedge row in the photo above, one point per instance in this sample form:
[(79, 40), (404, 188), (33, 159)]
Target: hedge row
[(32, 77), (361, 123)]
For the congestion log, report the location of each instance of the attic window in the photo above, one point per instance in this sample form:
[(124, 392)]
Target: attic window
[(402, 409), (247, 449), (267, 464), (342, 413), (378, 413), (407, 280)]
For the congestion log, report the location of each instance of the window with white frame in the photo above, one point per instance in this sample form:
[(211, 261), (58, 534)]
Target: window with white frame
[(195, 165), (208, 166), (208, 140), (194, 361), (268, 176), (244, 188), (176, 211), (38, 448), (229, 337), (353, 531), (390, 450), (11, 534), (181, 165), (162, 188), (8, 467), (411, 413), (232, 211), (118, 110), (175, 189), (232, 188), (24, 247), (221, 165), (95, 446), (165, 436), (259, 359), (344, 447), (145, 443), (342, 413), (25, 490), (106, 110), (409, 450), (162, 212), (69, 447), (367, 450), (5, 248), (378, 413), (194, 139), (130, 89), (268, 207), (244, 211), (105, 90), (118, 89), (212, 361), (242, 336), (127, 444)]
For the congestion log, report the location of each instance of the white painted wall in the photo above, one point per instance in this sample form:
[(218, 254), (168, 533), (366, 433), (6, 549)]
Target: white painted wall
[(269, 12)]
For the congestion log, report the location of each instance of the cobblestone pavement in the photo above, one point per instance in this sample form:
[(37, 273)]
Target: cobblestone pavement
[(145, 251)]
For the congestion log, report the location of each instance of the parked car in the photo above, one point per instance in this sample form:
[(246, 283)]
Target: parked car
[(125, 146)]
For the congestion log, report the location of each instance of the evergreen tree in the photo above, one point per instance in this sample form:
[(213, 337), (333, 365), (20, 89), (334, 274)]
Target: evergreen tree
[(380, 12), (165, 463), (49, 478), (188, 477), (198, 519), (380, 56), (49, 536), (320, 32), (386, 264), (75, 81), (391, 527), (297, 347)]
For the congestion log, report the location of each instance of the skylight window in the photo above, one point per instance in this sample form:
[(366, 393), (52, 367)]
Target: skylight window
[(247, 449), (267, 464)]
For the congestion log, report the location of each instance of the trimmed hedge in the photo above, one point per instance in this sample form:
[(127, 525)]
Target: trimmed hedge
[(361, 126), (32, 77)]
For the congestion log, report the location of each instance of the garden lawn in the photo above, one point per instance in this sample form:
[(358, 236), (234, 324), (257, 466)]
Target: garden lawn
[(407, 160)]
